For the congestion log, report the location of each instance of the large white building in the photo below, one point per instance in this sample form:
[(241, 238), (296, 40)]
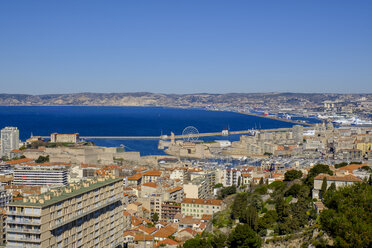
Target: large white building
[(87, 214), (40, 175), (9, 140)]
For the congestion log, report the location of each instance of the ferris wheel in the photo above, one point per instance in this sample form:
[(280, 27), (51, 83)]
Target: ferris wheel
[(190, 134)]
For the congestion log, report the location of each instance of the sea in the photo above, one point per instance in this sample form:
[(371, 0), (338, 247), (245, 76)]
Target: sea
[(128, 121)]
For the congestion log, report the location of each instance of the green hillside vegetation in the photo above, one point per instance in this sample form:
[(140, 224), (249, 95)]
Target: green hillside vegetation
[(283, 211)]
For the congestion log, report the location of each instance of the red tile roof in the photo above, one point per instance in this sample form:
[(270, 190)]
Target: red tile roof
[(165, 232), (172, 190), (166, 242), (135, 177), (152, 173), (19, 161), (150, 184), (142, 237), (348, 178)]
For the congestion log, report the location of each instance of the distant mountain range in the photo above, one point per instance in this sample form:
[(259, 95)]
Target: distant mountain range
[(171, 100)]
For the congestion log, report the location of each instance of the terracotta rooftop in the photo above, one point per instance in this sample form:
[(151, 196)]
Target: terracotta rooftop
[(165, 232), (19, 161), (135, 177), (150, 184), (189, 230), (348, 178), (142, 237), (352, 167), (152, 173), (172, 190), (148, 230), (166, 242)]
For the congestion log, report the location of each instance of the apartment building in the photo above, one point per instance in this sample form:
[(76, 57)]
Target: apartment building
[(5, 197), (198, 207), (86, 214), (39, 175), (9, 140), (175, 194), (150, 176), (169, 209), (231, 177)]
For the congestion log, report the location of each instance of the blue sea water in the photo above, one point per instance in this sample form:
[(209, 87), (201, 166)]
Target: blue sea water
[(127, 121)]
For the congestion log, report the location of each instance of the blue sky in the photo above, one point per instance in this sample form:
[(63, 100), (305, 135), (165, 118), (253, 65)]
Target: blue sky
[(185, 46)]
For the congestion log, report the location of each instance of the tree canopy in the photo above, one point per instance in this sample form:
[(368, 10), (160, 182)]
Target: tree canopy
[(244, 236), (349, 214), (292, 175)]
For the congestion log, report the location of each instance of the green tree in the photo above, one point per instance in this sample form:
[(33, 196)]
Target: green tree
[(42, 159), (340, 165), (316, 170), (292, 175), (226, 191), (267, 220), (250, 217), (261, 181), (239, 181), (332, 187), (155, 217), (293, 190), (196, 242), (218, 240), (239, 204), (244, 237), (349, 214), (218, 185)]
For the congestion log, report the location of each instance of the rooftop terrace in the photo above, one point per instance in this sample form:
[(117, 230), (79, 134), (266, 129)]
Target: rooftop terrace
[(63, 193)]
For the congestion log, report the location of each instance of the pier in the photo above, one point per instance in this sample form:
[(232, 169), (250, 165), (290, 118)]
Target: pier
[(168, 137)]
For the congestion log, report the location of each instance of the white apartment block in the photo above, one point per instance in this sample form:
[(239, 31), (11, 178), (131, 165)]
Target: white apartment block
[(88, 214), (231, 177), (9, 140), (40, 175)]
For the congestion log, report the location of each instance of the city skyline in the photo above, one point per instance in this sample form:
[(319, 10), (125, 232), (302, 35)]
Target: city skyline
[(185, 47)]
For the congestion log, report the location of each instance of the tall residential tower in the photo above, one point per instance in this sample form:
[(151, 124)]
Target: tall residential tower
[(9, 140)]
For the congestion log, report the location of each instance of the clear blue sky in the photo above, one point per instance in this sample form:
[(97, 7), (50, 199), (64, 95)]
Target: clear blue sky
[(185, 46)]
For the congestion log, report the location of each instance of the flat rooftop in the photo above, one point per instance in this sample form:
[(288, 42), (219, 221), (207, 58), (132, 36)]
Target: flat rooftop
[(63, 195)]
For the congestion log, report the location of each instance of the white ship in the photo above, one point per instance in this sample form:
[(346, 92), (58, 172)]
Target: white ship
[(352, 121)]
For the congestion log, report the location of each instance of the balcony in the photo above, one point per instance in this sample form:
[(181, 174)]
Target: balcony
[(23, 221), (82, 214), (30, 239), (23, 230)]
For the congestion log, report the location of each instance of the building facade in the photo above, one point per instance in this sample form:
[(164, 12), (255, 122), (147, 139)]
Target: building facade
[(39, 175), (198, 207), (64, 138), (88, 214), (9, 140)]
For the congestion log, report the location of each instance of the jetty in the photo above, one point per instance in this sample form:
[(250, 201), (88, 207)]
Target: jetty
[(168, 137)]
